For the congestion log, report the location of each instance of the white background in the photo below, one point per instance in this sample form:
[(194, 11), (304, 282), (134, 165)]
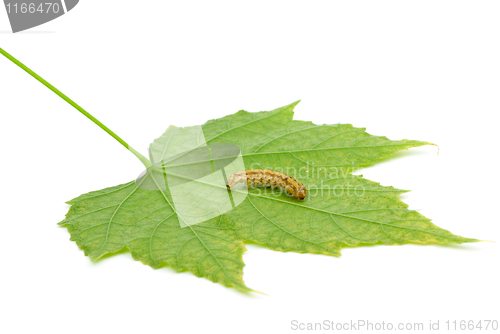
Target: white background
[(426, 70)]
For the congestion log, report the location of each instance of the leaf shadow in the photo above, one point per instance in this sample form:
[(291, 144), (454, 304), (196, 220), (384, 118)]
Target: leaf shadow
[(463, 247), (398, 155), (264, 246), (165, 266), (106, 256)]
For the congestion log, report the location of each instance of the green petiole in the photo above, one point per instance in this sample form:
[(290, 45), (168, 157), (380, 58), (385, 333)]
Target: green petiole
[(143, 159)]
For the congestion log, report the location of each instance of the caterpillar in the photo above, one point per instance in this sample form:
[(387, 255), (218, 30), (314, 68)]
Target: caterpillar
[(256, 176)]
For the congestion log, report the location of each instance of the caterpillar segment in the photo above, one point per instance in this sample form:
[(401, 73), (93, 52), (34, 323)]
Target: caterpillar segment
[(275, 179)]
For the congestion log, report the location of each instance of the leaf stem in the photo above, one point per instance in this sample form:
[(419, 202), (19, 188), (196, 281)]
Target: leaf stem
[(143, 159)]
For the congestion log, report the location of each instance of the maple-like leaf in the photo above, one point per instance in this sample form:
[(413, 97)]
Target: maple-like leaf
[(179, 211), (340, 208)]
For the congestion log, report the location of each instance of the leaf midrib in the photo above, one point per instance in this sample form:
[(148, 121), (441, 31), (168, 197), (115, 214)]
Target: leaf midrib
[(294, 151)]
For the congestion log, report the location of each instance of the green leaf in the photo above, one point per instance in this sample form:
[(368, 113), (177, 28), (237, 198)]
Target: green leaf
[(340, 208), (143, 221)]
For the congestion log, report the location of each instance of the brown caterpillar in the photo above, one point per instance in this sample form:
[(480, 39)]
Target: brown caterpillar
[(256, 176)]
